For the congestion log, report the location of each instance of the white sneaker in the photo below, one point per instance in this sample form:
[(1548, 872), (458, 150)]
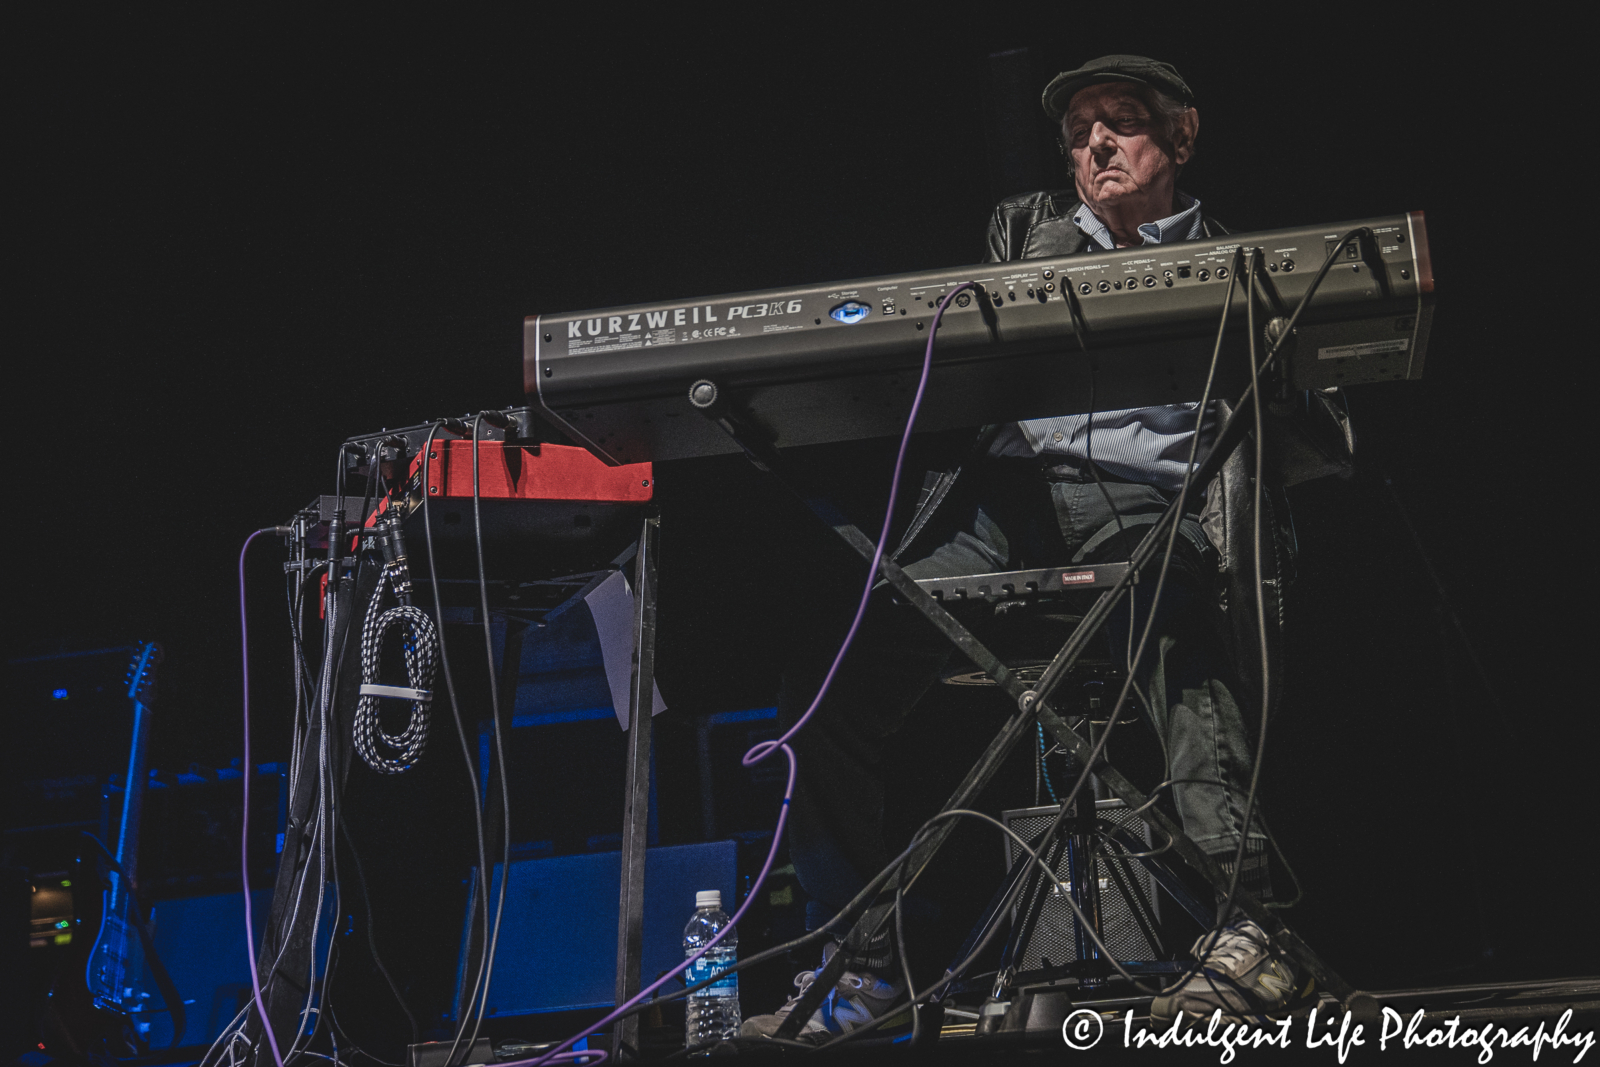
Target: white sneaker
[(1243, 975), (856, 999)]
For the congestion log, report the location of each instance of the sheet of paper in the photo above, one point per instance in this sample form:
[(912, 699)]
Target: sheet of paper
[(611, 605)]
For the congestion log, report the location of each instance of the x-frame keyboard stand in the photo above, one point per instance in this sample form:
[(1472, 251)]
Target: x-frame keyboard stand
[(1031, 704)]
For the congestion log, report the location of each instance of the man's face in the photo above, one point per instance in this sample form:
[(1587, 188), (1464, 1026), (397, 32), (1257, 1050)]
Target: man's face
[(1119, 150)]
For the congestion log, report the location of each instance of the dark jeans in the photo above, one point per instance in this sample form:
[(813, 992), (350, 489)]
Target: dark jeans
[(1014, 518)]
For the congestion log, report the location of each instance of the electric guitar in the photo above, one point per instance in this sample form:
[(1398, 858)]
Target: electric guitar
[(118, 959)]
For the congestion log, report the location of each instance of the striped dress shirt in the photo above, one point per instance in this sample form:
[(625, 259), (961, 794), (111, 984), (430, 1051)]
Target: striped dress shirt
[(1148, 445)]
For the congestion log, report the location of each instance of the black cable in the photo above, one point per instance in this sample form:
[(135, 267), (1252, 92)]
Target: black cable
[(328, 805), (1253, 393), (327, 1013), (1122, 530), (1249, 262), (1099, 747), (1088, 454), (355, 1049), (1176, 512), (294, 593), (753, 1042), (304, 692), (330, 869), (1171, 519), (1299, 890), (370, 497), (1175, 509), (1311, 290), (326, 1001), (905, 963), (867, 891), (372, 941), (893, 866), (330, 959), (1078, 330), (336, 1028), (499, 741), (810, 937), (327, 682), (1143, 855), (1172, 516), (1159, 786), (955, 972), (1094, 756), (1252, 266), (455, 711), (1448, 608), (1166, 559)]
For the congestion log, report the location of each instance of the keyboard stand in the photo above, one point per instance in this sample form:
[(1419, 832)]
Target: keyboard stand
[(1032, 704)]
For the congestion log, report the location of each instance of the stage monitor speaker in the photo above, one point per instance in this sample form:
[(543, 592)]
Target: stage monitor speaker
[(1049, 932), (558, 941), (201, 942)]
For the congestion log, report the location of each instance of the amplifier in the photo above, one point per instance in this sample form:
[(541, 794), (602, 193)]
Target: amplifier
[(839, 361), (557, 949), (1045, 932)]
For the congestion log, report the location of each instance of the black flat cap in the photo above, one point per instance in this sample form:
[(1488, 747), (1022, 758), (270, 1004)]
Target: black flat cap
[(1163, 76)]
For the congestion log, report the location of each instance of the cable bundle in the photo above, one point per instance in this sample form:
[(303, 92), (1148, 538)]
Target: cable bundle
[(420, 642)]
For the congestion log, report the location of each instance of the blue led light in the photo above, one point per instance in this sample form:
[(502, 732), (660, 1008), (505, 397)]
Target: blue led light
[(851, 311), (58, 694)]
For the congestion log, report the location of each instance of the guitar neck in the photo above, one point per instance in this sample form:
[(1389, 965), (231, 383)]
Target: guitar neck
[(132, 804), (117, 949)]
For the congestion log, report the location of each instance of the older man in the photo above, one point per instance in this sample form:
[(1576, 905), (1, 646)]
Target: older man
[(1034, 500)]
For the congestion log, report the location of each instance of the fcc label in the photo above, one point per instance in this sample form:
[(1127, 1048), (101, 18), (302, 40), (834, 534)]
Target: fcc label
[(1371, 348)]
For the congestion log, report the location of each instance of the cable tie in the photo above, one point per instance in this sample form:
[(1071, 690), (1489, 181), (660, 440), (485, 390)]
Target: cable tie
[(397, 691)]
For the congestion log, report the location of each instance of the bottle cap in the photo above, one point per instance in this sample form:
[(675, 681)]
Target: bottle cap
[(708, 898)]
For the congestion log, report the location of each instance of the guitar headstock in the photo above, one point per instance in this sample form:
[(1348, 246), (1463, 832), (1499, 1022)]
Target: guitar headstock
[(142, 673)]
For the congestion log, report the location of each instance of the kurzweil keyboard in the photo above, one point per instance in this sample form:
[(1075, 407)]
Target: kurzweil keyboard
[(840, 361)]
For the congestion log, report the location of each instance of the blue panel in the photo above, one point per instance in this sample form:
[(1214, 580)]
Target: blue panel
[(561, 668), (558, 941), (723, 718), (201, 941), (550, 718)]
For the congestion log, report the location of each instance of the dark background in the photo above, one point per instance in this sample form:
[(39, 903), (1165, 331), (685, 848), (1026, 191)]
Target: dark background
[(243, 239)]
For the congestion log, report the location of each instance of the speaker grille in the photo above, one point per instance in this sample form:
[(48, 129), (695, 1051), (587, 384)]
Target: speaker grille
[(1054, 937)]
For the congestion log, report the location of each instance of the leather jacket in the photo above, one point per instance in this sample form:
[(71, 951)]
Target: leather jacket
[(1309, 434), (1038, 225)]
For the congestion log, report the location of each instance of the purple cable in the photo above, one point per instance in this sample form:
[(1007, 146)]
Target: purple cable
[(761, 751), (244, 830), (767, 748), (560, 1051)]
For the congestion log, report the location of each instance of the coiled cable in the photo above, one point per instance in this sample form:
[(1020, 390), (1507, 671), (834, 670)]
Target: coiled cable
[(420, 642)]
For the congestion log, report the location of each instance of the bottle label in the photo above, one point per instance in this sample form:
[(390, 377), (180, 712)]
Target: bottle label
[(703, 968)]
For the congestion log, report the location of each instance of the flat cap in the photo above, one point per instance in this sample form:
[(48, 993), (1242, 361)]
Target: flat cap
[(1163, 76)]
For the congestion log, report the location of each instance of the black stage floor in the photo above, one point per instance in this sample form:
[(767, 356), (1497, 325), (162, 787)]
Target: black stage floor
[(1546, 1021)]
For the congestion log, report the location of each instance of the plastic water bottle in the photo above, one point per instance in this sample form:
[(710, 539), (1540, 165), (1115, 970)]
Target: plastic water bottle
[(713, 1012)]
